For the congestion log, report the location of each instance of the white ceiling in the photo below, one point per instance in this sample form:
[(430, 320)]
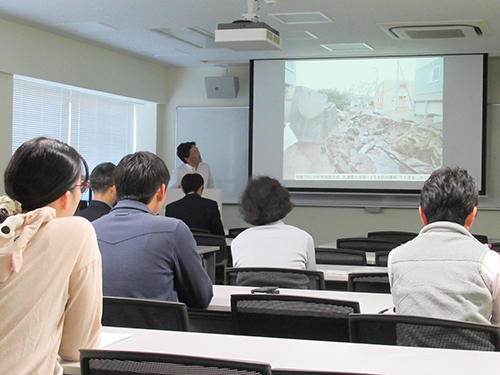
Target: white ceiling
[(354, 21)]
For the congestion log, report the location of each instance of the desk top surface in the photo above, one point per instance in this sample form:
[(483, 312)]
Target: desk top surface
[(335, 272), (201, 249), (305, 354), (370, 303)]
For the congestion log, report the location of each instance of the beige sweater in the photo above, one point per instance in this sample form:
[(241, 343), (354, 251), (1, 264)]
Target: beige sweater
[(50, 293)]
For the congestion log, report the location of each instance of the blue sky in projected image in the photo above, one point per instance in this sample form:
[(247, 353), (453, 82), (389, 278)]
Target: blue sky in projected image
[(342, 74)]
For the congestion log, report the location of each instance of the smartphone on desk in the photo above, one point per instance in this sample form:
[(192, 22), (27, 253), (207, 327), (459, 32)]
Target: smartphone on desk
[(266, 290)]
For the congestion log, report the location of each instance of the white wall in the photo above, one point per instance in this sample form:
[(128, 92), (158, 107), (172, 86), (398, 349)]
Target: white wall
[(186, 88), (34, 53)]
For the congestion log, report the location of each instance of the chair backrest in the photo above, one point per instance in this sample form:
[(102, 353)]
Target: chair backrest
[(495, 246), (221, 256), (381, 258), (281, 277), (312, 372), (369, 282), (397, 236), (142, 313), (115, 362), (286, 316), (340, 256), (404, 330), (233, 232), (366, 244), (199, 231), (481, 238)]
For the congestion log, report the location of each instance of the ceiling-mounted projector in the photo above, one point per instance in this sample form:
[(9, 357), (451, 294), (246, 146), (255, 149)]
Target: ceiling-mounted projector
[(247, 36)]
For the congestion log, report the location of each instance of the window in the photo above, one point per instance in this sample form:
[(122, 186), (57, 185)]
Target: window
[(433, 75), (99, 125)]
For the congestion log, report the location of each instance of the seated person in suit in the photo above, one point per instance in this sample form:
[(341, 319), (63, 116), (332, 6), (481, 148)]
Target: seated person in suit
[(101, 182), (145, 255), (445, 272), (193, 163), (197, 212), (270, 243)]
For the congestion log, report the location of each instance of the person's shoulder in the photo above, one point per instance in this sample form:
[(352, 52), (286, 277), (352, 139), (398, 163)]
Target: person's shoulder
[(209, 201), (77, 234), (75, 224)]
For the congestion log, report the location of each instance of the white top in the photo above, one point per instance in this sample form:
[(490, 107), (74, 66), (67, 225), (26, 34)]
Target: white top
[(184, 169), (275, 245)]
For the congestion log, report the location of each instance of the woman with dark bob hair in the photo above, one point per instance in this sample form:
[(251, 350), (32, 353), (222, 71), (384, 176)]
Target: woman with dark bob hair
[(270, 243), (50, 265)]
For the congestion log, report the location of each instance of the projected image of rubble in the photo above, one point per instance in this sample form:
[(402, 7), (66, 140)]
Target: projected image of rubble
[(376, 119)]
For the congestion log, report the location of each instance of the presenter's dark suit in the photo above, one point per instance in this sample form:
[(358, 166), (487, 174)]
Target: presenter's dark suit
[(95, 210), (197, 212)]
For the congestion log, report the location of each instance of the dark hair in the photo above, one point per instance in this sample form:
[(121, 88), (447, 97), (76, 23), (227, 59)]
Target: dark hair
[(41, 171), (191, 182), (101, 178), (183, 150), (264, 200), (449, 195), (139, 176)]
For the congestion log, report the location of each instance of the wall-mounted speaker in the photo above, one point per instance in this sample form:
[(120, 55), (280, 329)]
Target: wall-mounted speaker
[(221, 87)]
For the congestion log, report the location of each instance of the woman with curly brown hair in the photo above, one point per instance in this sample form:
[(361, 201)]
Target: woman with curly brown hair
[(270, 243)]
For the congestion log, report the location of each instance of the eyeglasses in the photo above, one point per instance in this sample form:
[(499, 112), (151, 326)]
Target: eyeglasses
[(83, 187)]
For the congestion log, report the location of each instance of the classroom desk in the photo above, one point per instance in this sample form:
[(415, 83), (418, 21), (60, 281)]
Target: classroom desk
[(207, 254), (335, 272), (336, 276), (305, 354), (216, 318)]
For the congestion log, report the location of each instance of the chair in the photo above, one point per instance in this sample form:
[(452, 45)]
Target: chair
[(286, 316), (233, 232), (281, 277), (495, 246), (405, 330), (368, 282), (340, 256), (142, 313), (312, 372), (114, 362), (199, 231), (481, 238), (222, 257), (397, 236), (366, 244), (381, 258)]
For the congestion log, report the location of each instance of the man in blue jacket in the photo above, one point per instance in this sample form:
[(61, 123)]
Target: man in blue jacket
[(145, 255)]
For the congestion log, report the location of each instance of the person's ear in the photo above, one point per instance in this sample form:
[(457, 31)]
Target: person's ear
[(64, 200), (422, 215), (161, 193), (470, 219)]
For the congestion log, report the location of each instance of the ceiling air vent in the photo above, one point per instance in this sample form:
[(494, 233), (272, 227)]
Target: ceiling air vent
[(435, 31)]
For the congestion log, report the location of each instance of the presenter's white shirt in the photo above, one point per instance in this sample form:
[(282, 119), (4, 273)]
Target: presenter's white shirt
[(182, 170), (274, 245)]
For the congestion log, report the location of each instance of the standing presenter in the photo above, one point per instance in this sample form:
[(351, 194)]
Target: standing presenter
[(192, 163)]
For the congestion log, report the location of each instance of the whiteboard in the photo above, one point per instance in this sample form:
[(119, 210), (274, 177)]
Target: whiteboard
[(222, 136)]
